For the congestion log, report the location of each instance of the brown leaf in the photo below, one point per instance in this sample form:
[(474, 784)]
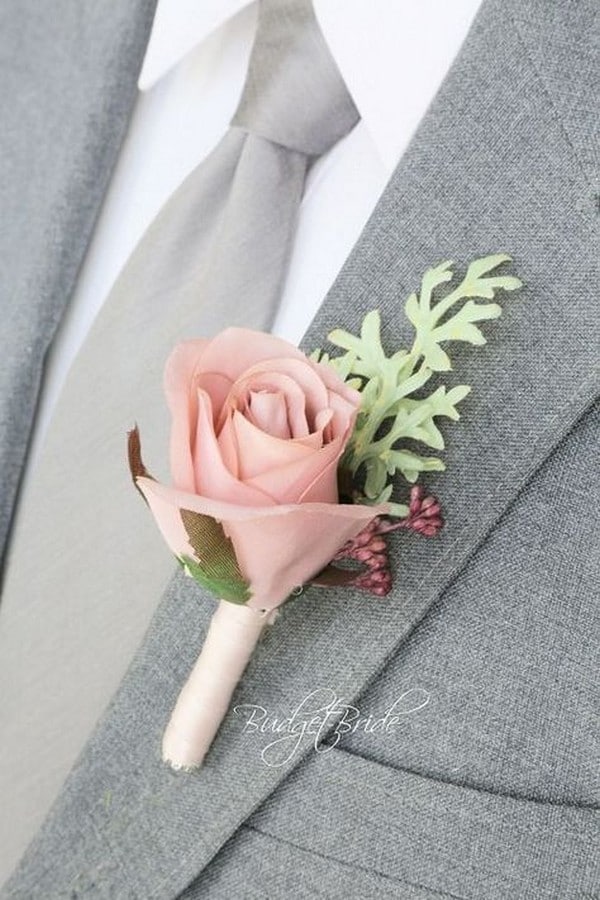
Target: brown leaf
[(333, 576), (134, 455)]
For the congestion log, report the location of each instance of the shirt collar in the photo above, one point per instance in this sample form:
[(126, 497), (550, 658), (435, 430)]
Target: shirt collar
[(178, 27), (380, 51)]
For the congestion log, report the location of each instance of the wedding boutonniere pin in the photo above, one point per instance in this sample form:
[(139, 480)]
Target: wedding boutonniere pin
[(283, 468)]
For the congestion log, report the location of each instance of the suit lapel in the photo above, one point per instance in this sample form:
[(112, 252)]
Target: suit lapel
[(69, 70), (490, 169)]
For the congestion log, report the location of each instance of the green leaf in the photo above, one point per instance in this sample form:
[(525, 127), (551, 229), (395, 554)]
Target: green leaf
[(479, 312), (376, 477), (390, 412), (428, 320), (345, 340), (436, 358), (411, 465), (444, 402), (367, 353), (432, 279), (485, 264), (377, 499), (215, 567), (413, 383), (398, 510), (370, 333), (225, 590), (413, 310), (415, 420)]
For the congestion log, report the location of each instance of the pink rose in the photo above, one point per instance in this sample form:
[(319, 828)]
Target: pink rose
[(257, 433)]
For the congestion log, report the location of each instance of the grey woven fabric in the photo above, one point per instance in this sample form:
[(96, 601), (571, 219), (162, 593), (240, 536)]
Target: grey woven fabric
[(68, 72), (490, 791), (214, 256)]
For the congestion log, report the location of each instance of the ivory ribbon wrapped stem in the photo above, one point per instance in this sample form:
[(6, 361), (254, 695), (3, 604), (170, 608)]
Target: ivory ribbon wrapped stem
[(205, 698)]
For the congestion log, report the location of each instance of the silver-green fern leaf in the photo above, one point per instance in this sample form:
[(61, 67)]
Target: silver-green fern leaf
[(390, 413)]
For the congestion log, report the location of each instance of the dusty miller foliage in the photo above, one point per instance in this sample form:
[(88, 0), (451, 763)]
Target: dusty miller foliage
[(390, 413)]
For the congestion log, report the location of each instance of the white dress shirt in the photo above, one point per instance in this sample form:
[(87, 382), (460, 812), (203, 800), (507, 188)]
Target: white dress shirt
[(393, 56)]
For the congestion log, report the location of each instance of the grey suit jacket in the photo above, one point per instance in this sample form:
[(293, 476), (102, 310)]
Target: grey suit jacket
[(490, 789)]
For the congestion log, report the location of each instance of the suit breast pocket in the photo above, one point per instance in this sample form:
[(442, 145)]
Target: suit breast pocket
[(371, 830)]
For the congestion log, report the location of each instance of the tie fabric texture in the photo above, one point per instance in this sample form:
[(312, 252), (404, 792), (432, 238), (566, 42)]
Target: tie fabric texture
[(86, 568)]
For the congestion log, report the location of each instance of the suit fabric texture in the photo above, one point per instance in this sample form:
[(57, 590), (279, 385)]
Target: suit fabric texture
[(491, 789), (215, 256)]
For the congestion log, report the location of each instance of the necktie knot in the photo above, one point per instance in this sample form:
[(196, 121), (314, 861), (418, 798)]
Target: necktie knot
[(294, 94)]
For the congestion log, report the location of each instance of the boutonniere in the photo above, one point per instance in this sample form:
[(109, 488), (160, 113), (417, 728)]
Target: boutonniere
[(284, 467)]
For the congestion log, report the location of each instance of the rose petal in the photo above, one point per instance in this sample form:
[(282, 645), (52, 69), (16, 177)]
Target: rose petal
[(214, 365), (272, 382), (216, 385), (343, 415), (287, 483), (267, 410), (212, 477), (229, 449), (324, 487), (234, 350), (296, 412), (324, 419), (314, 440), (277, 547), (303, 376), (259, 453), (334, 383), (280, 553), (178, 380)]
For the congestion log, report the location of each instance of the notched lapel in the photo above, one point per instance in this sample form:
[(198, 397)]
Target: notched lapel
[(490, 169)]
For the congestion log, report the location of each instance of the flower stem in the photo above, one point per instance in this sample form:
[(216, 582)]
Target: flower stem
[(232, 635)]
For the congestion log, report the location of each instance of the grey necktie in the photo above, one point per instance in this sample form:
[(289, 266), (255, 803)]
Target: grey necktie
[(87, 567)]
